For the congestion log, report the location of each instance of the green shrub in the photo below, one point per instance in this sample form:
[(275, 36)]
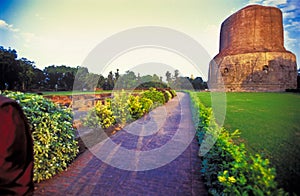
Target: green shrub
[(120, 107), (138, 106), (155, 96), (53, 134), (228, 169), (100, 116), (123, 108), (167, 95), (146, 104), (135, 107), (173, 93)]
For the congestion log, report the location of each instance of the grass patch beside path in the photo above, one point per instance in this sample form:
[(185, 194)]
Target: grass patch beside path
[(270, 125)]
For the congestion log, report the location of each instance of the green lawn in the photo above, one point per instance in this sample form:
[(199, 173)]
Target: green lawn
[(270, 125)]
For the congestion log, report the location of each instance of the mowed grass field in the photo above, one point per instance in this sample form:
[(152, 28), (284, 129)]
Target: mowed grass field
[(270, 125)]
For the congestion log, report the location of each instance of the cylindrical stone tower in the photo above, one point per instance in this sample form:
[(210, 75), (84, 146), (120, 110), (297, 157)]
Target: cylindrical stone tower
[(252, 56)]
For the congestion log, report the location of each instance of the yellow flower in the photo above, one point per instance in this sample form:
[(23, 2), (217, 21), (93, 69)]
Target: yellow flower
[(221, 179), (231, 179)]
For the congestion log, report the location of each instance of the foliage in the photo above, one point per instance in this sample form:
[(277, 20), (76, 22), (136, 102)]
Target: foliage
[(155, 96), (130, 81), (173, 92), (228, 168), (270, 124), (53, 135), (120, 107), (187, 83), (62, 76), (138, 106), (100, 116), (22, 74), (26, 73), (126, 81), (167, 95), (8, 68), (146, 104)]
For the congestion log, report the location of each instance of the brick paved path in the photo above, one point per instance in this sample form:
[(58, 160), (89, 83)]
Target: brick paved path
[(88, 175)]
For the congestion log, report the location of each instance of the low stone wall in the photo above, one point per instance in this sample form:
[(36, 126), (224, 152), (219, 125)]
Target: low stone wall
[(79, 102)]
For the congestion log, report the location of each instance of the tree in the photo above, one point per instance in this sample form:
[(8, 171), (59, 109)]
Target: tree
[(198, 83), (127, 80), (176, 74), (110, 81), (101, 82), (81, 75), (155, 78), (26, 73), (8, 68), (64, 76), (52, 76), (117, 75), (178, 82), (38, 81), (169, 77), (91, 81)]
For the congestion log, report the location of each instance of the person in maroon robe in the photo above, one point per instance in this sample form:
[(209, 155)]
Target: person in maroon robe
[(16, 150)]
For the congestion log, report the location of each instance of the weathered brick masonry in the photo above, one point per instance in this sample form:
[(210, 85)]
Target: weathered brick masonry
[(252, 56)]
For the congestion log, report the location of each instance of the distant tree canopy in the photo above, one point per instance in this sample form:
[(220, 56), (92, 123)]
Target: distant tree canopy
[(22, 74), (179, 82), (8, 68)]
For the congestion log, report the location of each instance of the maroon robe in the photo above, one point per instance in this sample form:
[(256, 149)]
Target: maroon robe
[(16, 150)]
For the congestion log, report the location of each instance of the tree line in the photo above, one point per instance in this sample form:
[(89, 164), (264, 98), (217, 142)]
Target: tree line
[(23, 75)]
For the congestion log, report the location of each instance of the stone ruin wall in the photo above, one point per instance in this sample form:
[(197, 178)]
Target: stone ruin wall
[(252, 56), (260, 71)]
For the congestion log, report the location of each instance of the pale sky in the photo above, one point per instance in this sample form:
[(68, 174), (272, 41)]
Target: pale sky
[(64, 32)]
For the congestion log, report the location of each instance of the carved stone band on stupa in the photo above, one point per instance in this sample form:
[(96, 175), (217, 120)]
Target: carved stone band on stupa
[(252, 56)]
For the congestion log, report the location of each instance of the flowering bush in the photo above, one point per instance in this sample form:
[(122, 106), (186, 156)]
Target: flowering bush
[(155, 96), (120, 107), (173, 92), (138, 106), (100, 116), (167, 95), (53, 134), (228, 169), (123, 108)]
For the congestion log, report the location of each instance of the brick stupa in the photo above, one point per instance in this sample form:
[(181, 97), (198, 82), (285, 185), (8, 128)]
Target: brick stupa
[(252, 56)]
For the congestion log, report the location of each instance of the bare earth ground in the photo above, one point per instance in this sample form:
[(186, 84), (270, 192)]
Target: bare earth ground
[(168, 124)]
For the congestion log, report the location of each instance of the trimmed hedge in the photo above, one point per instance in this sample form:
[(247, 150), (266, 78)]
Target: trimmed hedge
[(228, 169), (124, 108), (138, 106), (157, 97), (53, 135), (100, 116)]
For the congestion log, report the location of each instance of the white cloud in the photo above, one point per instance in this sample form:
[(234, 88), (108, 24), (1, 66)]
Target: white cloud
[(288, 41), (4, 25), (293, 25), (287, 15), (289, 7), (274, 2), (268, 2), (254, 2)]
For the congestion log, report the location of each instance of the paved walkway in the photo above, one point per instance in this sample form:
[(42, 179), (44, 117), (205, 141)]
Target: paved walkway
[(132, 173)]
